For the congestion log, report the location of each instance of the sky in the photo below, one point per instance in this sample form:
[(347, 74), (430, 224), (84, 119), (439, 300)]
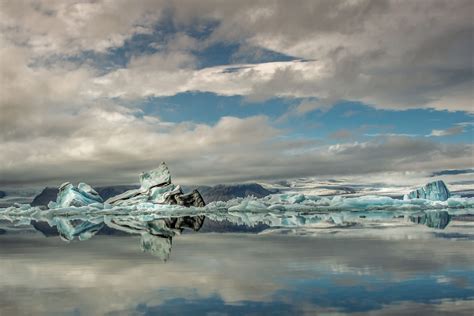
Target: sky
[(234, 91)]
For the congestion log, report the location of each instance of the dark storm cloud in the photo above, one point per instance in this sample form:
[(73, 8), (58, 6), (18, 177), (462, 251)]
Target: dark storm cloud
[(452, 172)]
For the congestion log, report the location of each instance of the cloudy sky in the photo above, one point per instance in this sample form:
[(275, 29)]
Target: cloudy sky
[(232, 91)]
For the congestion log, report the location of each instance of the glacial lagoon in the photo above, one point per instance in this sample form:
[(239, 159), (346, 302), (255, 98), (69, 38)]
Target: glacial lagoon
[(158, 251), (383, 270)]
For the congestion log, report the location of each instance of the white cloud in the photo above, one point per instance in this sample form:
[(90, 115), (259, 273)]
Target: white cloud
[(390, 135), (383, 53), (456, 130), (67, 28), (164, 75)]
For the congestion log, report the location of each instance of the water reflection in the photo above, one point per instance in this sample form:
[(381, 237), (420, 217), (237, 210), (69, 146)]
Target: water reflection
[(155, 235), (157, 230), (296, 264), (392, 271)]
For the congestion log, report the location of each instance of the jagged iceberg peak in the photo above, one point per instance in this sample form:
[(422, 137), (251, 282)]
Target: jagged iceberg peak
[(69, 195), (154, 184), (434, 191), (156, 177), (156, 187)]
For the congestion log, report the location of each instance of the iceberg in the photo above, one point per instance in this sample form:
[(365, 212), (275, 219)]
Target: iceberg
[(68, 196), (157, 177), (156, 188), (155, 185), (433, 191)]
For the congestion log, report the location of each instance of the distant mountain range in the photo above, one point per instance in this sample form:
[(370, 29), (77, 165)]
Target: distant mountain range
[(2, 194), (219, 192), (223, 192)]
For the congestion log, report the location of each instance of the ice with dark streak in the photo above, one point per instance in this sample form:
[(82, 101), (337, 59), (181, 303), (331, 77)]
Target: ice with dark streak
[(155, 186)]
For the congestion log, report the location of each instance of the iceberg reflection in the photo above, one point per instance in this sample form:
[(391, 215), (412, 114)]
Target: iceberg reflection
[(156, 235)]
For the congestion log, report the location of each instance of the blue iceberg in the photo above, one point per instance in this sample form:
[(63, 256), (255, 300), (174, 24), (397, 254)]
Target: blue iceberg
[(68, 196), (433, 191)]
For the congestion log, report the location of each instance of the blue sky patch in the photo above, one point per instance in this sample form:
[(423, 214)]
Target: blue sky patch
[(344, 121)]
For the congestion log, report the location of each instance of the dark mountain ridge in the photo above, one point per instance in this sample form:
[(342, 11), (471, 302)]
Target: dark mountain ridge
[(223, 192)]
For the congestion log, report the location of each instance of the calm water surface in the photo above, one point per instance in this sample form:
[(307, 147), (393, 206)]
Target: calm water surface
[(381, 271)]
